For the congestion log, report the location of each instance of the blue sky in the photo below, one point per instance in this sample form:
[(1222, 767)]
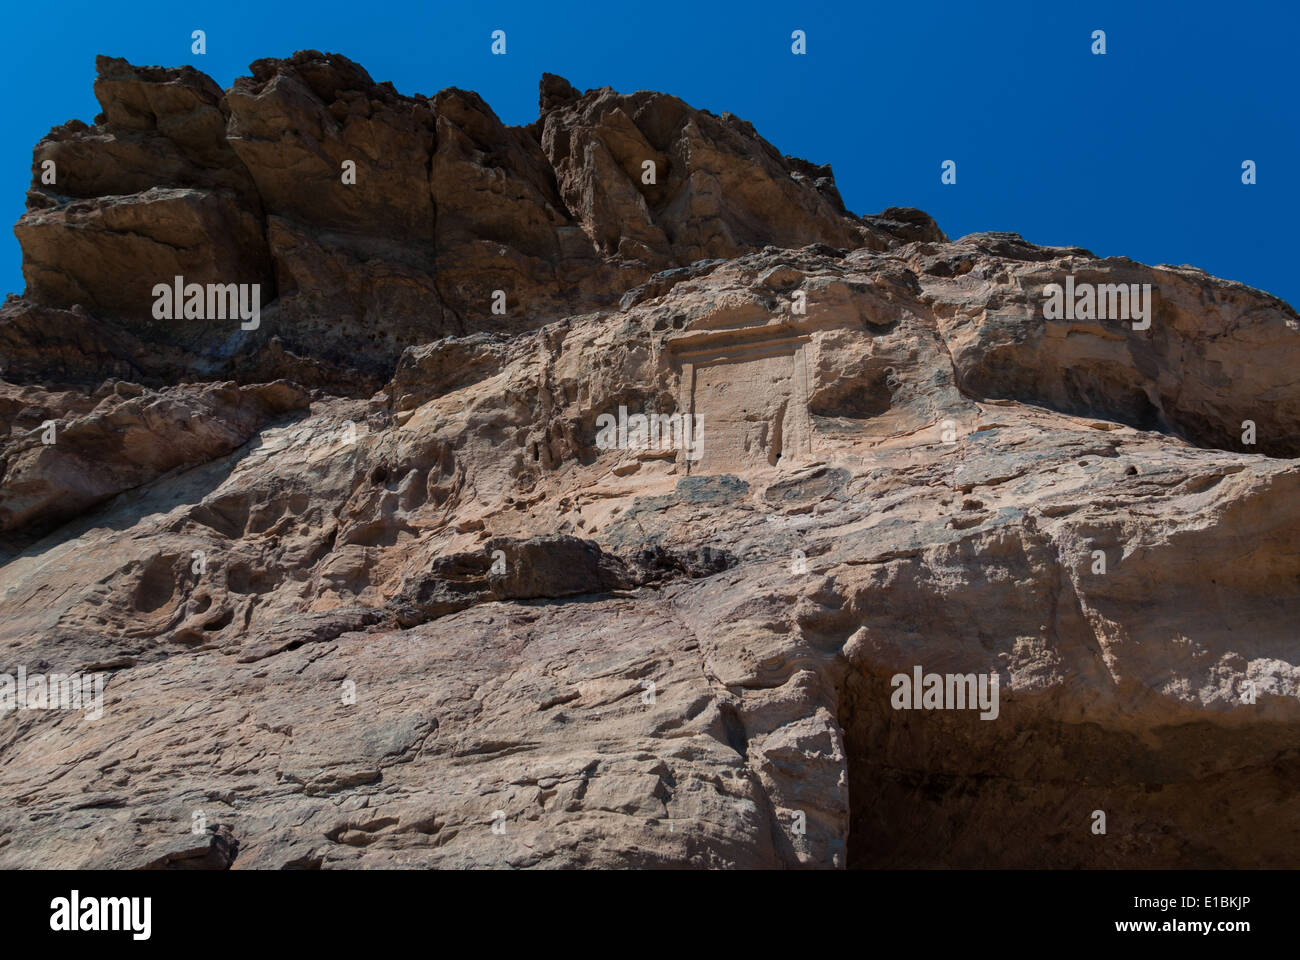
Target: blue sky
[(1135, 153)]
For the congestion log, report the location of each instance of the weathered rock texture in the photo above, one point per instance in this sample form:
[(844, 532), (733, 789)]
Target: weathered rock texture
[(366, 585), (448, 205)]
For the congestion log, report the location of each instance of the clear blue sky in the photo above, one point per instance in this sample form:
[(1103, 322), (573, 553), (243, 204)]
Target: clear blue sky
[(1135, 153)]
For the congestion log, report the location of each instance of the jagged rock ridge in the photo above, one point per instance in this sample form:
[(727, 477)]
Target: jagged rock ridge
[(446, 206)]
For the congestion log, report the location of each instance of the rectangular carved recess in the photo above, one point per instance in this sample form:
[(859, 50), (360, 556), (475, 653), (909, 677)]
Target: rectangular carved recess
[(752, 393)]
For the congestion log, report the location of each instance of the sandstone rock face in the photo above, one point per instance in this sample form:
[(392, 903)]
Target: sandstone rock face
[(377, 221), (396, 581), (130, 437)]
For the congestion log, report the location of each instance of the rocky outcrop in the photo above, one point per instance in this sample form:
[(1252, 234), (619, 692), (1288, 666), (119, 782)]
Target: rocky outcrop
[(133, 435), (537, 568), (373, 221), (1216, 353), (485, 616)]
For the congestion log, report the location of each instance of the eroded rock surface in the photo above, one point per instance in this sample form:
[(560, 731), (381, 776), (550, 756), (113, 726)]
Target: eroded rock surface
[(377, 221), (371, 586)]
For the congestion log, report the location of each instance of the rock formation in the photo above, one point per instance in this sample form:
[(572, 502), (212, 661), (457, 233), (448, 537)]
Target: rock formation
[(621, 571)]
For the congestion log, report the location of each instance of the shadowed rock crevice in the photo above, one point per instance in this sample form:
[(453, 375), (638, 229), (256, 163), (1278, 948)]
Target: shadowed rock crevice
[(947, 789)]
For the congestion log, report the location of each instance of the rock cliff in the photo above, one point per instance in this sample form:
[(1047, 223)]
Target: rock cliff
[(583, 489)]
